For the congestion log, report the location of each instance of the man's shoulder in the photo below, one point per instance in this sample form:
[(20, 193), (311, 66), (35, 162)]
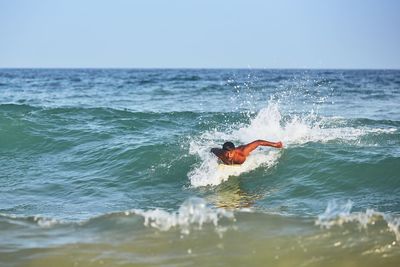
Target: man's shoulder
[(241, 147)]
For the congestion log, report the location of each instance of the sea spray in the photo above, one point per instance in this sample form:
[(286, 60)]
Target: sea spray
[(339, 213), (268, 124), (192, 214)]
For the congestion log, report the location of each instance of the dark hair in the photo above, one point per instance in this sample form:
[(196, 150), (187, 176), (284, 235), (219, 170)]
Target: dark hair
[(228, 146)]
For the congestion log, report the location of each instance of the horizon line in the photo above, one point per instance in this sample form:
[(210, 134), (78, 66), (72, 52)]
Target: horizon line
[(193, 68)]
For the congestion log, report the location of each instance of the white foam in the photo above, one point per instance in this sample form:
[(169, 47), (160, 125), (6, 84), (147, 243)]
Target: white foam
[(45, 222), (337, 214), (40, 220), (192, 214), (208, 173), (269, 125)]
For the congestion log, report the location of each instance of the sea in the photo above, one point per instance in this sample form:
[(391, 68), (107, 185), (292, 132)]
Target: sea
[(112, 167)]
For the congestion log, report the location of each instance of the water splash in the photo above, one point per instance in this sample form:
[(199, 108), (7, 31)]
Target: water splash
[(338, 214), (192, 214), (268, 124)]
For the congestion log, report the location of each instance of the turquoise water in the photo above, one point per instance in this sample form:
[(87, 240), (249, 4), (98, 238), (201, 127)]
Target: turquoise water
[(112, 167)]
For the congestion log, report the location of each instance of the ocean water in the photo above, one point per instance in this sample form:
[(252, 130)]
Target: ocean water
[(111, 167)]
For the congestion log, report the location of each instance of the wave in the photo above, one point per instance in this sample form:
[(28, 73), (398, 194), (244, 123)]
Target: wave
[(22, 220), (191, 215), (199, 226), (102, 150), (121, 238), (269, 124), (338, 214), (265, 118), (195, 213)]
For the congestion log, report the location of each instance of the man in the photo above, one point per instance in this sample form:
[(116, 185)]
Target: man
[(231, 155)]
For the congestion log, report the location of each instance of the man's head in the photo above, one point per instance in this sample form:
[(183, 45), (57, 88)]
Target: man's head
[(228, 146)]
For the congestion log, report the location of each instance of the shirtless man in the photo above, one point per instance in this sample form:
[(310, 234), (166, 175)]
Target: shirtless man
[(231, 155)]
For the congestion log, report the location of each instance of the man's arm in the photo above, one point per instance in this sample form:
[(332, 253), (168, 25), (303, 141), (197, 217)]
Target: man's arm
[(246, 149)]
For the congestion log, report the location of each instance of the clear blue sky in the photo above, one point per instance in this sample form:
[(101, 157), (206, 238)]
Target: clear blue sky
[(203, 33)]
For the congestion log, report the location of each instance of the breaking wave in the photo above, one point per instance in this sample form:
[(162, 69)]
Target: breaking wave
[(268, 124), (339, 213)]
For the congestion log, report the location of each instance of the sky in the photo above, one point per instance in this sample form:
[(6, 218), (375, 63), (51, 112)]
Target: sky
[(344, 34)]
